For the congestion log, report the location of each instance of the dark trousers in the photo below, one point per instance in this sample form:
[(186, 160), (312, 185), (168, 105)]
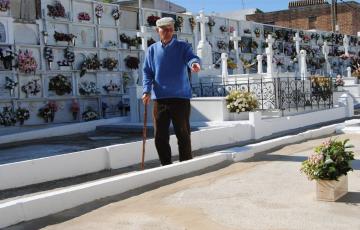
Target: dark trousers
[(176, 111)]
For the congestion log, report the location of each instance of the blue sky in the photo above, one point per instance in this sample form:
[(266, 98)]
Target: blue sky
[(232, 5)]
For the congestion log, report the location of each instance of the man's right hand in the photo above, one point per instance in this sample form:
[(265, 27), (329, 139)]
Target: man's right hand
[(146, 98)]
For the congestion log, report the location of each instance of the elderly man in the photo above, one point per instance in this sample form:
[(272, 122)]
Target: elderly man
[(166, 81)]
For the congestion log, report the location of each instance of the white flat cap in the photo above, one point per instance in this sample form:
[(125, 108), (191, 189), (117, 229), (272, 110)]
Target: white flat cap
[(167, 21)]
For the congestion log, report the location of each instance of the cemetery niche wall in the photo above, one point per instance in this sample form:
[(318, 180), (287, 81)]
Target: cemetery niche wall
[(78, 61)]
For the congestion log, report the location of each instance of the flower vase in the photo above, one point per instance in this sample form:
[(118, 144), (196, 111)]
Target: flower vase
[(45, 40), (21, 122), (125, 46), (12, 92), (50, 65), (331, 190), (73, 40), (116, 22), (99, 20)]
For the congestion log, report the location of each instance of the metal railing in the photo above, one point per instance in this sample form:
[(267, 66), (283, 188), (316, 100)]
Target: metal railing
[(276, 93)]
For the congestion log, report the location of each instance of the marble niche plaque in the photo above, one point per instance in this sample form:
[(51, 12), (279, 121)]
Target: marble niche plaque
[(108, 38), (85, 36), (27, 33)]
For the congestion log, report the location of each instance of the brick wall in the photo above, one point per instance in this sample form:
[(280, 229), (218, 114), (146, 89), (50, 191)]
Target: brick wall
[(298, 18)]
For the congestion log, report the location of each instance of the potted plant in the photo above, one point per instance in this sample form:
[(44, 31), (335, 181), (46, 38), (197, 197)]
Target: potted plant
[(239, 103), (60, 84), (211, 23), (90, 114), (151, 20), (329, 165), (26, 62), (179, 22), (339, 83), (99, 11), (22, 115), (56, 10), (10, 84)]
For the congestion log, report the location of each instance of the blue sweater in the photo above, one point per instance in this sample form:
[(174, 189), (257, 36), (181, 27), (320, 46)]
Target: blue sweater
[(165, 70)]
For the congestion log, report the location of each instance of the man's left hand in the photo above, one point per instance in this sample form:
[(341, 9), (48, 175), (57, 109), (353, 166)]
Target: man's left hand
[(195, 67)]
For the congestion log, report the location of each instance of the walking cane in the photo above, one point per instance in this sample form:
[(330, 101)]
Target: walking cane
[(144, 137)]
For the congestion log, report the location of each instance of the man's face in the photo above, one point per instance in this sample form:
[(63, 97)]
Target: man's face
[(166, 32)]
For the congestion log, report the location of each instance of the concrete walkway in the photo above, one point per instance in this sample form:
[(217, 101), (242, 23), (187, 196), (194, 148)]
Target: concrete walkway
[(265, 192)]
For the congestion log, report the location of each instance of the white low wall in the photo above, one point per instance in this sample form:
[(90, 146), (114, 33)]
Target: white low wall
[(60, 130), (118, 156)]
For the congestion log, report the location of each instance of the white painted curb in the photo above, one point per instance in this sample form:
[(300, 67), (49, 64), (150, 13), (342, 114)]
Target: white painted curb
[(25, 209)]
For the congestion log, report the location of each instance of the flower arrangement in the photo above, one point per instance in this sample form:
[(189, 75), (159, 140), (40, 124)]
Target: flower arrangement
[(320, 85), (10, 84), (31, 88), (111, 87), (254, 45), (116, 14), (74, 108), (99, 11), (22, 115), (151, 20), (57, 10), (111, 45), (88, 88), (306, 38), (240, 101), (124, 38), (60, 84), (192, 23), (48, 111), (355, 66), (135, 42), (4, 5), (257, 32), (7, 117), (339, 81), (83, 16), (62, 37), (248, 64), (90, 63), (222, 45), (110, 63), (231, 64), (211, 23), (7, 58), (69, 55), (223, 29), (150, 42), (232, 29), (329, 161), (315, 36), (26, 62), (132, 62), (126, 80), (179, 22), (90, 114)]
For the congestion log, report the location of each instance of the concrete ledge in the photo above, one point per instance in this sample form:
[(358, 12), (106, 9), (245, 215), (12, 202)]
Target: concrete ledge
[(62, 130)]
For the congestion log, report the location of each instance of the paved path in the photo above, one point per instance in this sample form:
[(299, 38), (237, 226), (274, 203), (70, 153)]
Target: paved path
[(266, 192)]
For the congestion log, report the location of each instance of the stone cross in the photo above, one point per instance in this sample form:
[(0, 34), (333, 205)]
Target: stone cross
[(346, 45), (326, 50), (348, 71), (260, 66), (297, 40), (144, 35), (235, 38), (202, 20), (204, 50), (224, 67), (269, 54), (303, 67)]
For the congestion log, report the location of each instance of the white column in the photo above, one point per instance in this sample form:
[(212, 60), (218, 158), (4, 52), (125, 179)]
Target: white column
[(348, 71), (235, 38), (204, 48), (260, 66), (303, 67), (297, 40), (224, 67), (269, 55), (325, 50), (346, 45), (144, 35)]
